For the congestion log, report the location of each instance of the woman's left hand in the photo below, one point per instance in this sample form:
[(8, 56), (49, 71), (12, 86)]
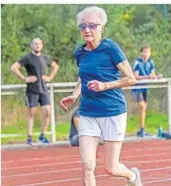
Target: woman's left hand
[(97, 86)]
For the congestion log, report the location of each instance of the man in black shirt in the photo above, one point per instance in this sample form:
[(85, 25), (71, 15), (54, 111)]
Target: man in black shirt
[(35, 64)]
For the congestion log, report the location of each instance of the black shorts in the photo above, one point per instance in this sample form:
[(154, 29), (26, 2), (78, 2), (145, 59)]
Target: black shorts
[(33, 100), (141, 96)]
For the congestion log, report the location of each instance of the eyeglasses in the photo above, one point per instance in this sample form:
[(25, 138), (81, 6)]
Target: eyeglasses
[(90, 26)]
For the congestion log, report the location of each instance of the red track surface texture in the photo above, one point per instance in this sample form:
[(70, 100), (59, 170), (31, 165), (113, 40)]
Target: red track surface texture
[(60, 166)]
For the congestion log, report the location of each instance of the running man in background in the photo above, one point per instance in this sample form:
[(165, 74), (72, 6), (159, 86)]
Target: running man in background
[(35, 64), (73, 137), (103, 108), (143, 68)]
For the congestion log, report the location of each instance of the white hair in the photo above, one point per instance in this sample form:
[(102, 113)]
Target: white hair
[(94, 10)]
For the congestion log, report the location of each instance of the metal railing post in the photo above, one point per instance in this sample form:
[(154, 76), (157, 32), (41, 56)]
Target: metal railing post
[(53, 125), (169, 106), (66, 87)]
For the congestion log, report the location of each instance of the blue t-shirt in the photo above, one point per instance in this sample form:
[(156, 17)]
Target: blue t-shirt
[(100, 64), (144, 69), (73, 130)]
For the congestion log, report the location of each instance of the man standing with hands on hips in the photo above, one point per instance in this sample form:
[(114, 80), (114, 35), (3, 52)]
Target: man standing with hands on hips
[(35, 64)]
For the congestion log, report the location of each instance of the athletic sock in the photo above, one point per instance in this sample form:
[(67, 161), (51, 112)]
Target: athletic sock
[(132, 180)]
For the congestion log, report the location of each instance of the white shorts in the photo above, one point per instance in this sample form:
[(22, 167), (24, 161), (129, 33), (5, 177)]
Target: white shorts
[(108, 128)]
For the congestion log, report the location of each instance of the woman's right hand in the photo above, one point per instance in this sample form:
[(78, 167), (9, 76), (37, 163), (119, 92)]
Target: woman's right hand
[(160, 76), (30, 79), (67, 101)]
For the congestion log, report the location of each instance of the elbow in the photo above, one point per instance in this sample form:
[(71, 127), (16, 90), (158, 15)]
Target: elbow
[(55, 65), (56, 68), (13, 69)]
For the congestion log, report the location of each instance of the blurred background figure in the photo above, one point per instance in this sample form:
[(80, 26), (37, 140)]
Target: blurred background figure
[(144, 68), (73, 136), (35, 64), (163, 134)]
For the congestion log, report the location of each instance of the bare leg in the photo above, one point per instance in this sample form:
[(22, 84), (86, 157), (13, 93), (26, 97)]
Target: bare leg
[(30, 119), (142, 113), (88, 148), (46, 118), (112, 163)]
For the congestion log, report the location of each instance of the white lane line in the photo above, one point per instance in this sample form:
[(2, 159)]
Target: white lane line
[(156, 181), (73, 169), (72, 156), (99, 176), (42, 165), (78, 162), (162, 168), (44, 172), (59, 181), (122, 159)]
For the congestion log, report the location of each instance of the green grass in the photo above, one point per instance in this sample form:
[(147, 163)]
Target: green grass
[(62, 131), (154, 120)]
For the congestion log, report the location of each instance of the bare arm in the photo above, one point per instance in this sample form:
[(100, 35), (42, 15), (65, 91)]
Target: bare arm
[(15, 68), (54, 70), (138, 77), (128, 78), (69, 100), (151, 76), (77, 91), (54, 67)]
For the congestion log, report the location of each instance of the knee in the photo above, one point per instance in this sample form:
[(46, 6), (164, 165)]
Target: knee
[(47, 113), (143, 107), (88, 169), (112, 170), (31, 115)]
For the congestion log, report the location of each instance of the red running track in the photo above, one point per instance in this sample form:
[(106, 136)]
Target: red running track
[(60, 166)]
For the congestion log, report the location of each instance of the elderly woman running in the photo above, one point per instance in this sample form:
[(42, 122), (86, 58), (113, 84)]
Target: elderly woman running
[(103, 110)]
